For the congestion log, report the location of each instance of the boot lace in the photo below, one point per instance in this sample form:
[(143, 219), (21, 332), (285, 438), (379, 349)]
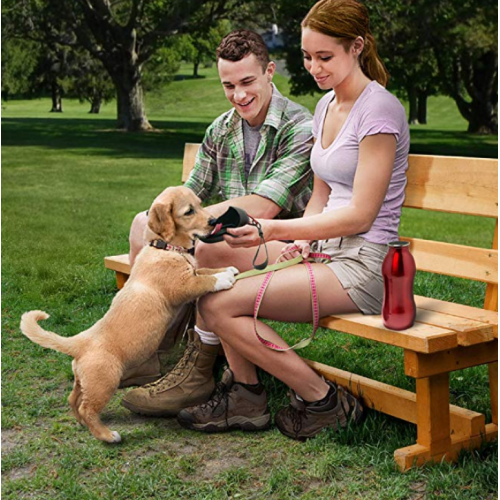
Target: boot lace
[(171, 377), (296, 416), (219, 396)]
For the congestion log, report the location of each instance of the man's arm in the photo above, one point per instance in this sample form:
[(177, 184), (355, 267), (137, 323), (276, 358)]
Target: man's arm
[(255, 205)]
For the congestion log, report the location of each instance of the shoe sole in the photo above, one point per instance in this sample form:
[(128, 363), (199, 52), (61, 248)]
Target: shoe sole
[(149, 412), (234, 423)]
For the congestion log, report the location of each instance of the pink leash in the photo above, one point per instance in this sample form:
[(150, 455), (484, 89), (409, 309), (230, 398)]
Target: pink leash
[(314, 302)]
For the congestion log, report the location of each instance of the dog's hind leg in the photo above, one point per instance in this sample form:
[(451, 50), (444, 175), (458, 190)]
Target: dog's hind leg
[(75, 398), (99, 381)]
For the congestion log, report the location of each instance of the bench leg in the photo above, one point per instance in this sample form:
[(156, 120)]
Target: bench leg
[(434, 442), (493, 373), (121, 279)]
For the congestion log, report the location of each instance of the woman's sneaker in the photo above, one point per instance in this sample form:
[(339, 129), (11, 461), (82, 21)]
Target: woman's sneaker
[(301, 420), (231, 406)]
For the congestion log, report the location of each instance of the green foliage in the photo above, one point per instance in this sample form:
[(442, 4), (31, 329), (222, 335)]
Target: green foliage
[(19, 60)]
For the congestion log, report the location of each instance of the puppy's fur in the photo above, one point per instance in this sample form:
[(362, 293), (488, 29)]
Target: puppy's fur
[(132, 329)]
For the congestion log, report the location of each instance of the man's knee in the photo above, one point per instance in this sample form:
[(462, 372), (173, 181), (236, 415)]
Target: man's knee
[(136, 235), (208, 306)]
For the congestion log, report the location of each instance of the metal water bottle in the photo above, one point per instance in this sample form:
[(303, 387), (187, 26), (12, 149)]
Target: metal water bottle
[(398, 269)]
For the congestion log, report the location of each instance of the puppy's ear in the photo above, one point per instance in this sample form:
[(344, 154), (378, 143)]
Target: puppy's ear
[(161, 221)]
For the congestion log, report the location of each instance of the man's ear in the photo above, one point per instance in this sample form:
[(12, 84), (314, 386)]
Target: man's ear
[(161, 221)]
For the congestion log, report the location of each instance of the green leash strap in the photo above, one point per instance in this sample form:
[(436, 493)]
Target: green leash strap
[(272, 267)]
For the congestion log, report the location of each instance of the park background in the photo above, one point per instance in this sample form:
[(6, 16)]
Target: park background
[(73, 180)]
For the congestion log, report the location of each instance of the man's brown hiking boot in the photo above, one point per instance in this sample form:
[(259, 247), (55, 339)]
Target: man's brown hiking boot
[(191, 382), (301, 420), (232, 406)]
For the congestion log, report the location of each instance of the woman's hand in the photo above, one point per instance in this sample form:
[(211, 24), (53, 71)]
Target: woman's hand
[(298, 247), (248, 236)]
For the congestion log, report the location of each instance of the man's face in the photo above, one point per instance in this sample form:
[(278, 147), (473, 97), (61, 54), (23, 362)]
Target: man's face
[(247, 87)]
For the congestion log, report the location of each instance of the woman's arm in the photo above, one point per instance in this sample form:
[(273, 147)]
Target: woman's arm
[(373, 175)]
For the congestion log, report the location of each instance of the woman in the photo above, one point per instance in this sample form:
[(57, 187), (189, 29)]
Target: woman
[(359, 160)]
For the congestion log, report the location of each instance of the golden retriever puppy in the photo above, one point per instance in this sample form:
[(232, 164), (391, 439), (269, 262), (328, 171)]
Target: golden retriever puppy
[(161, 281)]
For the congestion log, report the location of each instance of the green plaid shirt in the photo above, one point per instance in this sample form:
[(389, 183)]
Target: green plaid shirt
[(280, 170)]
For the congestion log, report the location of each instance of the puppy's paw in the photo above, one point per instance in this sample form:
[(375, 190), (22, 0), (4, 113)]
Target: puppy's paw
[(233, 270), (116, 437), (224, 281)]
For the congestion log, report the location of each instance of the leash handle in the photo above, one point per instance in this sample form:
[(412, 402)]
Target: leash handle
[(262, 241)]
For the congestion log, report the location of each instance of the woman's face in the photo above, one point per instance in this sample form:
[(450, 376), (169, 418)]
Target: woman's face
[(326, 59)]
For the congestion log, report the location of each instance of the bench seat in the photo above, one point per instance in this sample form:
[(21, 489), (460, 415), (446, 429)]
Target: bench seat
[(446, 336), (439, 325)]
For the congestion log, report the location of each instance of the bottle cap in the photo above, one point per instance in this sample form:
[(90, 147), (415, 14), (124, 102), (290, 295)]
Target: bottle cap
[(399, 244)]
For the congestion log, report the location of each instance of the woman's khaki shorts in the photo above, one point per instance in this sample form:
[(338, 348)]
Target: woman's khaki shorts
[(357, 263)]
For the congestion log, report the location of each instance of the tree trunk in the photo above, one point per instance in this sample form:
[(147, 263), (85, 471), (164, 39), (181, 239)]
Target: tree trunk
[(56, 98), (95, 106), (422, 107), (130, 107), (483, 118), (195, 68), (412, 99)]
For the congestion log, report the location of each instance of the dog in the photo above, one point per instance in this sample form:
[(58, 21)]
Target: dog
[(161, 281)]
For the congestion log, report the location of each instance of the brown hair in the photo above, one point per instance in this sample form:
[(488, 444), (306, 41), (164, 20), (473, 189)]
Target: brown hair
[(240, 43), (346, 20)]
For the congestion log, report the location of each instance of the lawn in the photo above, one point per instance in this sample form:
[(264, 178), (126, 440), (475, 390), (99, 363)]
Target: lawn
[(71, 186)]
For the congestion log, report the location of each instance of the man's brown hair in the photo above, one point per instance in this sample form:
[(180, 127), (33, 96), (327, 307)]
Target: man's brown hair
[(240, 43)]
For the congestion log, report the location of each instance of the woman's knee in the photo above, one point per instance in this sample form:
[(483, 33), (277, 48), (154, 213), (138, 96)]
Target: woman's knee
[(212, 255)]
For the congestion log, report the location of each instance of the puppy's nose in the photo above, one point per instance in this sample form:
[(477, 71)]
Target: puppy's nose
[(212, 221)]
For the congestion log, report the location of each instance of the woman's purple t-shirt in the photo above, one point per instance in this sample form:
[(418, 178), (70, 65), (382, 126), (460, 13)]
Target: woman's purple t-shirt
[(376, 111)]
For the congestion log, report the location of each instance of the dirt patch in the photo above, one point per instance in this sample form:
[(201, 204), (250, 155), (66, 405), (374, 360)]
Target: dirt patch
[(212, 467), (10, 439), (19, 473)]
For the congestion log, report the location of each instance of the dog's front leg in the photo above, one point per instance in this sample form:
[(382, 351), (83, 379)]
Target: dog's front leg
[(200, 285), (208, 271)]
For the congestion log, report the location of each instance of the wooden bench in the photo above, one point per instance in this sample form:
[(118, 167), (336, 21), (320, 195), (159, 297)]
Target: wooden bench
[(446, 336)]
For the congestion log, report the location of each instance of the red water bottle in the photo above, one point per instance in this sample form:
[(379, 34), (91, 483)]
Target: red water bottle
[(398, 269)]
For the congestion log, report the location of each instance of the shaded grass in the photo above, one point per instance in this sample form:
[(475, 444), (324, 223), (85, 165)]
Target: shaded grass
[(71, 188)]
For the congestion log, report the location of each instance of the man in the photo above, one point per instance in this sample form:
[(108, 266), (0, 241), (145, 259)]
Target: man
[(256, 156)]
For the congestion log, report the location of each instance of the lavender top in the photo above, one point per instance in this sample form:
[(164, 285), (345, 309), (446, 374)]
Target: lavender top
[(376, 111)]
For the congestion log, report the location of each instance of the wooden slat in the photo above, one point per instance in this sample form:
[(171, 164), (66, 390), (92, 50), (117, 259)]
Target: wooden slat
[(469, 331), (420, 338), (479, 264), (493, 378), (190, 151), (453, 184), (459, 310), (396, 402), (118, 263), (426, 365)]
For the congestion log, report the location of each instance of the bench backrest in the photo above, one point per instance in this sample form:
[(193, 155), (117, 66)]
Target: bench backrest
[(444, 184)]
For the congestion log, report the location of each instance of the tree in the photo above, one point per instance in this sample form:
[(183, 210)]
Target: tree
[(464, 39), (19, 60), (90, 82)]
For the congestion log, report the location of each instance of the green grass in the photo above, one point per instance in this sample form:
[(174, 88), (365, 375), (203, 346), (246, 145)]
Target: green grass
[(71, 186)]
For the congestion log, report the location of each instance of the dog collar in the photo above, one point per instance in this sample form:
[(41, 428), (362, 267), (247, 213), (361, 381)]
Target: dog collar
[(163, 245)]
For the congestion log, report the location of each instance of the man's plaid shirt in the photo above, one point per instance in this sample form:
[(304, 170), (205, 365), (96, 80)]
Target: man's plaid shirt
[(280, 170)]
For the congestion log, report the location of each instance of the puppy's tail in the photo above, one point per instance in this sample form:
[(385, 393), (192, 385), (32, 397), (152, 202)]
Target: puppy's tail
[(32, 330)]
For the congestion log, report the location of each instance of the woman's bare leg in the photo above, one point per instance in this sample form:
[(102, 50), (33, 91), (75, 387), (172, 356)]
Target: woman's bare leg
[(215, 255), (229, 315)]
